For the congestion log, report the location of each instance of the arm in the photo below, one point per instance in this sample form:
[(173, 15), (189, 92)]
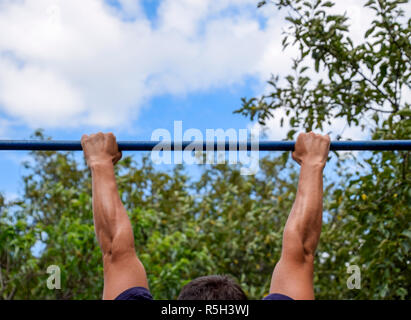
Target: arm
[(293, 274), (122, 268)]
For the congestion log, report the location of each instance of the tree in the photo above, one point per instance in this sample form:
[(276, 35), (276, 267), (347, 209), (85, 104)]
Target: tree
[(357, 82), (226, 223), (221, 223)]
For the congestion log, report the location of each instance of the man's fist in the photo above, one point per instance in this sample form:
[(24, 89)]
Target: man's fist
[(311, 148), (99, 148)]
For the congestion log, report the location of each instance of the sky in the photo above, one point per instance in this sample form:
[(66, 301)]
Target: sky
[(133, 66)]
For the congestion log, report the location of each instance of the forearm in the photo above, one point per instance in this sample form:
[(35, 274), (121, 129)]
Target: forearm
[(112, 225), (122, 268), (305, 220)]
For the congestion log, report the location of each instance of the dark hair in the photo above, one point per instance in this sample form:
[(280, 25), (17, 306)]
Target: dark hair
[(212, 288)]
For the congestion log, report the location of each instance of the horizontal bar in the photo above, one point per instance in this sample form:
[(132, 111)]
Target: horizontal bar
[(73, 145)]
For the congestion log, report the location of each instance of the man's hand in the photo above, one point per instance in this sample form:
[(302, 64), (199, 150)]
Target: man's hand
[(293, 274), (311, 149), (122, 268), (100, 148)]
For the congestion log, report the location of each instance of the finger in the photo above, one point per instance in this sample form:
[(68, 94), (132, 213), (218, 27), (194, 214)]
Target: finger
[(111, 139), (328, 138), (99, 135), (92, 136), (117, 157), (111, 136), (324, 138), (83, 140), (293, 156)]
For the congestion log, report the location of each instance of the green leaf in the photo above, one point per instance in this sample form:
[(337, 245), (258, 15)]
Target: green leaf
[(328, 4), (261, 3)]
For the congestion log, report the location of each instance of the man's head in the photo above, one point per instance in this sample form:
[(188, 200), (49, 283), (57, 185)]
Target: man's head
[(212, 288)]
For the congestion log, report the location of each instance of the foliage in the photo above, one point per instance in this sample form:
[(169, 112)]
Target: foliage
[(356, 81), (364, 84), (221, 223), (225, 223)]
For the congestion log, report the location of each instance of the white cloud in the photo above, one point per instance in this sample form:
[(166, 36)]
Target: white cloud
[(274, 131), (4, 126), (359, 21), (71, 63), (53, 99), (74, 63)]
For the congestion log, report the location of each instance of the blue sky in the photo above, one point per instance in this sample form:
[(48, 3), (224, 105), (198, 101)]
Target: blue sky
[(197, 110), (133, 66)]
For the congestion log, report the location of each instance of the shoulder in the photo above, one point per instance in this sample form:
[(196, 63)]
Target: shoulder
[(135, 293), (277, 296)]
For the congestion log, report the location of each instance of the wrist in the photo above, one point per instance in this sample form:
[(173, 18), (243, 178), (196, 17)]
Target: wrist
[(100, 163), (313, 164)]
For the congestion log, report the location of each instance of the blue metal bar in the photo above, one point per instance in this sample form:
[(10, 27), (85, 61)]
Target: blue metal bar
[(73, 145)]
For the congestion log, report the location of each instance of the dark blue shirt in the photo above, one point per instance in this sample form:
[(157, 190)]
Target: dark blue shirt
[(142, 294)]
